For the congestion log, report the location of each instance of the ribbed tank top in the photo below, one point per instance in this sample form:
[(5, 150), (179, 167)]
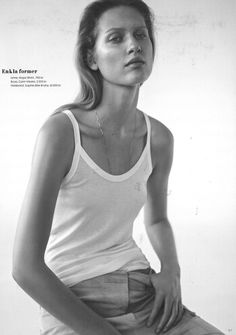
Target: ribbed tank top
[(93, 220)]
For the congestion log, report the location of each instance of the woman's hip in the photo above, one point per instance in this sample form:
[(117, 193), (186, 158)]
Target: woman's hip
[(124, 299)]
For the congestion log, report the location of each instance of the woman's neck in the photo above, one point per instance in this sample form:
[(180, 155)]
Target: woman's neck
[(118, 105)]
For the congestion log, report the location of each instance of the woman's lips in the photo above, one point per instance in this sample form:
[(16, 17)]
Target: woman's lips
[(135, 62)]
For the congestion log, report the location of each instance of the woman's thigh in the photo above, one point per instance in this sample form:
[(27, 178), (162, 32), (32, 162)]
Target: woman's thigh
[(125, 300), (187, 326), (190, 324)]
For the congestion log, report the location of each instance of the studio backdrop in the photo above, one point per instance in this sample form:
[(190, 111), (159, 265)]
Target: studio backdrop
[(192, 90)]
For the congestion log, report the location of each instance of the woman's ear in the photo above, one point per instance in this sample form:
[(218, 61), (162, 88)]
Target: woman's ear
[(91, 61)]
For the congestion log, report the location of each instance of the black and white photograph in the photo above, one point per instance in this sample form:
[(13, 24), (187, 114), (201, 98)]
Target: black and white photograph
[(118, 164)]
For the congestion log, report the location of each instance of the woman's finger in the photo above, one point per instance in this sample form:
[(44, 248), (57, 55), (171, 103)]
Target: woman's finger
[(175, 314), (180, 313), (158, 302), (167, 314)]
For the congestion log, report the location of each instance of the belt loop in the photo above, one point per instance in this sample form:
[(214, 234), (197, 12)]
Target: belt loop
[(151, 272)]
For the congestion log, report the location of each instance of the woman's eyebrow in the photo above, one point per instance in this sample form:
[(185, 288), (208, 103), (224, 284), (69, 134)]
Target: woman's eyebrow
[(122, 28)]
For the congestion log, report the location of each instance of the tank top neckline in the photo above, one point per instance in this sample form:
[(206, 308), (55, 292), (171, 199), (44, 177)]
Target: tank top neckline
[(101, 171)]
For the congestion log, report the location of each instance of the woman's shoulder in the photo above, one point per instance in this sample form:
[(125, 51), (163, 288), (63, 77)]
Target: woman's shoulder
[(57, 134), (161, 136), (57, 126), (162, 141), (52, 153)]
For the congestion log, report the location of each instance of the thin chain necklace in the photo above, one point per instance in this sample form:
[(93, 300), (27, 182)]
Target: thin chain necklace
[(105, 142)]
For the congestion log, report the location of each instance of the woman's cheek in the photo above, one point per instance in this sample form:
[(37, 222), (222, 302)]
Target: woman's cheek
[(110, 54), (109, 61)]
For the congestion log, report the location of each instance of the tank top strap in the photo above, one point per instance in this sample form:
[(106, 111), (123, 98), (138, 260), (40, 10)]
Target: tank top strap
[(77, 149), (148, 123), (75, 126)]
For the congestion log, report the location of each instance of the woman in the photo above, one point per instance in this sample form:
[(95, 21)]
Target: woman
[(96, 163)]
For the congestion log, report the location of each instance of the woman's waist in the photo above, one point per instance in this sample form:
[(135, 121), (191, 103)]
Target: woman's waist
[(116, 293), (83, 251), (74, 268)]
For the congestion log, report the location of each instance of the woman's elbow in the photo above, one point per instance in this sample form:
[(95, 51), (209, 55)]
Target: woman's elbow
[(17, 275), (23, 272)]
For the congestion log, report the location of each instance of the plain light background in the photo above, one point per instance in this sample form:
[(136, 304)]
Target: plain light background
[(192, 90)]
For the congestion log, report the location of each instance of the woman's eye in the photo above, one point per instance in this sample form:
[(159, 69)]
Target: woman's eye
[(141, 35), (115, 39)]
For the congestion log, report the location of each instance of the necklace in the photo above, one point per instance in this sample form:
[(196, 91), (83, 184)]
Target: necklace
[(105, 142)]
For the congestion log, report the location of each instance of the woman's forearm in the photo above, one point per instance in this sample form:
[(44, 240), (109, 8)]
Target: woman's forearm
[(162, 239), (45, 288)]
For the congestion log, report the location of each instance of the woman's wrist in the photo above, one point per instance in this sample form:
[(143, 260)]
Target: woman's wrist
[(172, 269)]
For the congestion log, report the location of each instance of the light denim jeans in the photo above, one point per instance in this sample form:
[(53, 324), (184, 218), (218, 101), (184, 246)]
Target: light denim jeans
[(125, 300)]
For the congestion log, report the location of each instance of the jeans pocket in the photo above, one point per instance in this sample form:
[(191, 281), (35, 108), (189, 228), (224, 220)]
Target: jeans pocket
[(124, 322), (107, 295)]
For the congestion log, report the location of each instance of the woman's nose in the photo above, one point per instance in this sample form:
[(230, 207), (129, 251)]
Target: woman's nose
[(134, 46)]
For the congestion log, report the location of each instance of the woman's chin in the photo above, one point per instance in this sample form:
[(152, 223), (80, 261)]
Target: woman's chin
[(137, 78), (137, 82)]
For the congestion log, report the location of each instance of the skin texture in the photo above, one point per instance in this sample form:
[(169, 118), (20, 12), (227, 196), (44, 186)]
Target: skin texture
[(114, 39), (121, 36), (167, 282)]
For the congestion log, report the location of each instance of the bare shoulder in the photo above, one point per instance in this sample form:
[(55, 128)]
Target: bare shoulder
[(56, 139), (58, 126), (161, 136), (162, 142)]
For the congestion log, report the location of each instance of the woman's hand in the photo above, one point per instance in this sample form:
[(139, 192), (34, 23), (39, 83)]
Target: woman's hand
[(167, 299)]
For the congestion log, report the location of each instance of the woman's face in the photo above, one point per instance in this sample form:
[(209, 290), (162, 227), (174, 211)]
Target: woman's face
[(122, 37)]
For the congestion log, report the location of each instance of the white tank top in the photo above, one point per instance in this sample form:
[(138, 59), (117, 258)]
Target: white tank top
[(92, 226)]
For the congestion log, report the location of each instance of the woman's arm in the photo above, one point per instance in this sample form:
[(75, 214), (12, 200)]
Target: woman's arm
[(51, 160), (167, 282)]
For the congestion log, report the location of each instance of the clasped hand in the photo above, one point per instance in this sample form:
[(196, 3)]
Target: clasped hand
[(167, 300)]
